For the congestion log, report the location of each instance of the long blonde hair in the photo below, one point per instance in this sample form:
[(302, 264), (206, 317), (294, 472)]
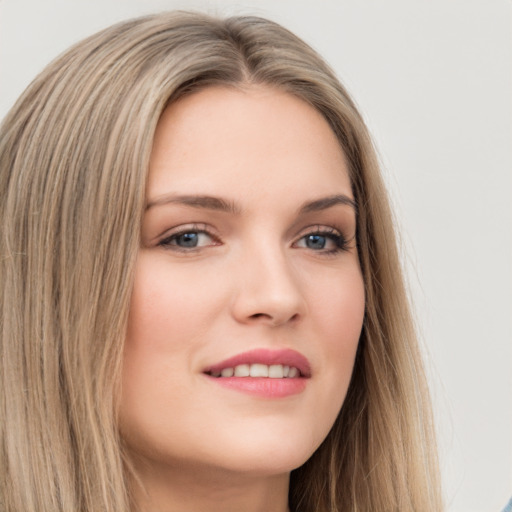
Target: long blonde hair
[(74, 154)]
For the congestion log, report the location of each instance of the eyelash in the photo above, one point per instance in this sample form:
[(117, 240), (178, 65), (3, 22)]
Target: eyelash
[(169, 241), (341, 243)]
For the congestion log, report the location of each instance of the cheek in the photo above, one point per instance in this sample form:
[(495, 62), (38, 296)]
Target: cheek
[(162, 322), (154, 307), (340, 318), (166, 304), (338, 309)]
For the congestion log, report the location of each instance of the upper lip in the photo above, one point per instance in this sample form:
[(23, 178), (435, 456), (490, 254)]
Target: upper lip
[(286, 357)]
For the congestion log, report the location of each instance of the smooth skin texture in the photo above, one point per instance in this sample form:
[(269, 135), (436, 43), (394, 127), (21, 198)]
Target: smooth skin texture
[(260, 263)]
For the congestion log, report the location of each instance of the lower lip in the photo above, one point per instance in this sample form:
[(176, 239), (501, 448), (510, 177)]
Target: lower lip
[(263, 386)]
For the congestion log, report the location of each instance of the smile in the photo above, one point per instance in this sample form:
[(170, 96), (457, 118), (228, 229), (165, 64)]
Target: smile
[(272, 371), (263, 362), (269, 374)]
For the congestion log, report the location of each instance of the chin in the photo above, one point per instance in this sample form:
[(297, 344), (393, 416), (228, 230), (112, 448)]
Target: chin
[(273, 453)]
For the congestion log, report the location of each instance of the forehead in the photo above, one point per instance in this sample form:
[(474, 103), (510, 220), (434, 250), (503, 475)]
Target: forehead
[(245, 141)]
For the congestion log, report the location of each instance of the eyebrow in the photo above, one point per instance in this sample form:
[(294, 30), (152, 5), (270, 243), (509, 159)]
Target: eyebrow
[(327, 202), (203, 202), (219, 204)]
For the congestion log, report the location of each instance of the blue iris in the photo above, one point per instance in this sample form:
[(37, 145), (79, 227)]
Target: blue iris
[(316, 241), (187, 239)]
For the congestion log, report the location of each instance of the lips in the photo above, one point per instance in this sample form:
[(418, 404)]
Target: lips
[(262, 363), (266, 374)]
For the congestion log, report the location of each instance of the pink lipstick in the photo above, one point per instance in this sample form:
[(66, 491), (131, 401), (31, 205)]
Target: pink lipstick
[(263, 372)]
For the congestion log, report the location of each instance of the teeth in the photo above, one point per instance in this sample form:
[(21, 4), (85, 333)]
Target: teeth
[(227, 372), (276, 371), (273, 371), (259, 370), (242, 370)]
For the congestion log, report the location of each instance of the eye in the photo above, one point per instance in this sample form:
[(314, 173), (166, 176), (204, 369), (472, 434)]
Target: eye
[(316, 241), (188, 239), (323, 239)]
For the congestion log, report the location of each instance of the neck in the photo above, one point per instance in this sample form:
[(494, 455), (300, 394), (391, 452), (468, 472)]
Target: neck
[(196, 489)]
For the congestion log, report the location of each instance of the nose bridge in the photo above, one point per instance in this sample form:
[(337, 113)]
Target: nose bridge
[(268, 289)]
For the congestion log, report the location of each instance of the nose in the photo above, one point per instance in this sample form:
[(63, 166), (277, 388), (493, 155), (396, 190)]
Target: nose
[(268, 290)]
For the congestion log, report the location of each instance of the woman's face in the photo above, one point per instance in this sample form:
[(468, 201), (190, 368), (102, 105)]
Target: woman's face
[(248, 266)]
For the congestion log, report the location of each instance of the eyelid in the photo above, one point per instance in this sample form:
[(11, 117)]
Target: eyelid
[(319, 229)]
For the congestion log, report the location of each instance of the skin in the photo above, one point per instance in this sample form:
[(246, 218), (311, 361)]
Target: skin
[(258, 277)]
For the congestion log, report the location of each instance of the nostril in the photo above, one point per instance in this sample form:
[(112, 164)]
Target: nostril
[(260, 315), (274, 319)]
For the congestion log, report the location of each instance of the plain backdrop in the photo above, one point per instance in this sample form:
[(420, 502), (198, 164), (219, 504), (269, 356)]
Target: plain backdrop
[(434, 82)]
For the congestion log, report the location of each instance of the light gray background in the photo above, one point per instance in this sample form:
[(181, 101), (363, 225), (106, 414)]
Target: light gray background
[(433, 79)]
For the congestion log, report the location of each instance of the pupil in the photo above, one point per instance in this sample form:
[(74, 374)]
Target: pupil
[(315, 242), (188, 240)]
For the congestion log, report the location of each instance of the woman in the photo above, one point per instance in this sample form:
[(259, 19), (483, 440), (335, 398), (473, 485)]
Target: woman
[(202, 301)]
